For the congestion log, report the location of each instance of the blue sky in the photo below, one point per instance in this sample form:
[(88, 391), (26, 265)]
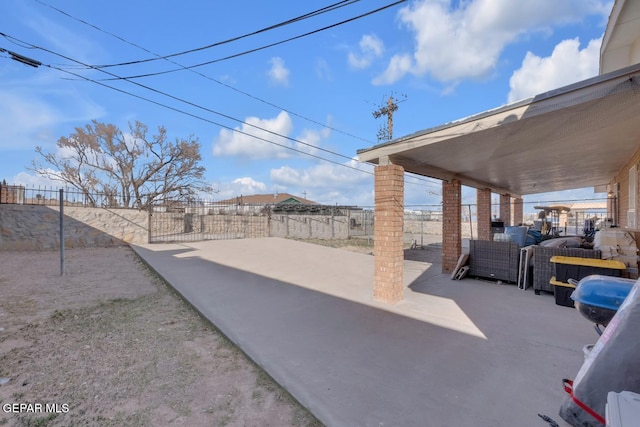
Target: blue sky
[(443, 59)]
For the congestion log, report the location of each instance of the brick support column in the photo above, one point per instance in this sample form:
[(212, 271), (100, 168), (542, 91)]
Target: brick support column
[(388, 233), (483, 200), (451, 224), (505, 209), (518, 211)]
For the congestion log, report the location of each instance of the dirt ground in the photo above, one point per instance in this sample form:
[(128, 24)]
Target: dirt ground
[(109, 344)]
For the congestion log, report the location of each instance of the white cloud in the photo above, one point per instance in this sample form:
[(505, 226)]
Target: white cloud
[(322, 70), (278, 73), (311, 139), (399, 65), (239, 186), (370, 43), (21, 118), (567, 64), (466, 42), (35, 181), (332, 183), (328, 183), (371, 47), (33, 109), (246, 144)]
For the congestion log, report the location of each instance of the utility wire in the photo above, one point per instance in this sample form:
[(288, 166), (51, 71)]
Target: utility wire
[(32, 46), (176, 98), (246, 52), (210, 121), (157, 57), (186, 112), (166, 58)]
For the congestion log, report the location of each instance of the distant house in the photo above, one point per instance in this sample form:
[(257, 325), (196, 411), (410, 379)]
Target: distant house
[(267, 199), (260, 203)]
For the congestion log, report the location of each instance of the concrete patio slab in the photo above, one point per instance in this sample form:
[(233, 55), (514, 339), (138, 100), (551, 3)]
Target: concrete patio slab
[(452, 353)]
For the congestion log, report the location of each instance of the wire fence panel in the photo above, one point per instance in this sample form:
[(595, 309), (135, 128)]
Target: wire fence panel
[(361, 223), (199, 221)]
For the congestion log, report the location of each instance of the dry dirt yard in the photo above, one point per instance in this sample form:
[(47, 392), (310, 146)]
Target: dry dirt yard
[(110, 344)]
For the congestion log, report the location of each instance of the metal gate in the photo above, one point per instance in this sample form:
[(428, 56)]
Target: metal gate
[(207, 221)]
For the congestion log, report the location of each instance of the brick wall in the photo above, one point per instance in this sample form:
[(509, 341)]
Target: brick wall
[(388, 234), (622, 178), (11, 194), (483, 199), (518, 211), (505, 209), (451, 225)]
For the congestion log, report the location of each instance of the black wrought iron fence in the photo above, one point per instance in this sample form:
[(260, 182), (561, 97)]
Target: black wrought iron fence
[(50, 196)]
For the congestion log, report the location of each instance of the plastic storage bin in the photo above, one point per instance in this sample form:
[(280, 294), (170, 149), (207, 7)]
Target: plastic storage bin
[(578, 268), (562, 292)]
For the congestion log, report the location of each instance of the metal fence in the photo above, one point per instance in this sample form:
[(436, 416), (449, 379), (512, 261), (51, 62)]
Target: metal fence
[(361, 223), (176, 220), (196, 221), (50, 196), (210, 220)]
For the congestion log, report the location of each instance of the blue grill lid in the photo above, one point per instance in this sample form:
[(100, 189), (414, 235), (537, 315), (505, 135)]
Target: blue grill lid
[(602, 291)]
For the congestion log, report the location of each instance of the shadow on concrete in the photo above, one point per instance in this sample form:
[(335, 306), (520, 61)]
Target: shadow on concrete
[(355, 363)]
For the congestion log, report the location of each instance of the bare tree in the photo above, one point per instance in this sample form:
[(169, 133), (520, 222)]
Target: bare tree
[(132, 170)]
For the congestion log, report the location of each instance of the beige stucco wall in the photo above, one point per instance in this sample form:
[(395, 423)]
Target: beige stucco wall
[(36, 227), (32, 227)]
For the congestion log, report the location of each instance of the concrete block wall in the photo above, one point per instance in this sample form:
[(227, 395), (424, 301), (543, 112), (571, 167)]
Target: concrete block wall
[(241, 226), (163, 223), (35, 228), (173, 223), (309, 226)]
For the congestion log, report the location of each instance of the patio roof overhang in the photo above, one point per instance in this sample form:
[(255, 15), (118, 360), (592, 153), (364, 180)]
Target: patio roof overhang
[(573, 137)]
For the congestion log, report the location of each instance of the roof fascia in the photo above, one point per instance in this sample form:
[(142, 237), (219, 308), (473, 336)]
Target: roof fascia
[(496, 115)]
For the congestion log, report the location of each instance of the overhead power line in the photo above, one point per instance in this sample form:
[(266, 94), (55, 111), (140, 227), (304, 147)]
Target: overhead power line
[(236, 55), (188, 103), (32, 46), (157, 57), (166, 58)]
